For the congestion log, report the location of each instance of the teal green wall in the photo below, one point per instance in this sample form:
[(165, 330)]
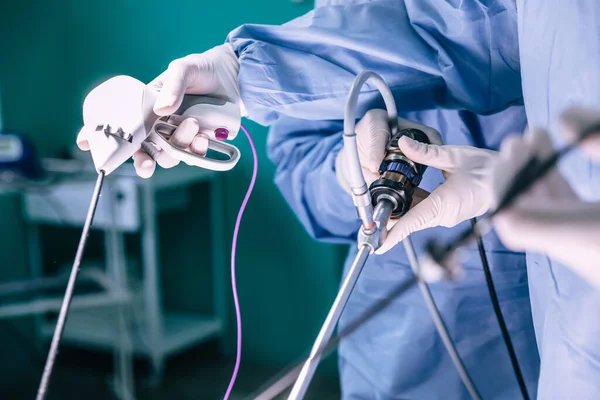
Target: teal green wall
[(286, 281), (33, 37)]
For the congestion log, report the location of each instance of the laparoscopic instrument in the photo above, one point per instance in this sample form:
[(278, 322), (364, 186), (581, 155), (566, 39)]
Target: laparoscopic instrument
[(440, 258), (388, 197), (120, 120)]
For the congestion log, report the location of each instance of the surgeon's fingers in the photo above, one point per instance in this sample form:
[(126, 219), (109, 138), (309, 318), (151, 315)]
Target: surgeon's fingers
[(144, 164), (539, 143), (373, 134), (187, 136), (513, 155), (200, 145), (420, 217), (172, 85), (514, 152), (436, 156), (433, 135), (370, 176), (575, 121), (81, 140), (165, 160), (515, 230), (591, 146), (185, 133)]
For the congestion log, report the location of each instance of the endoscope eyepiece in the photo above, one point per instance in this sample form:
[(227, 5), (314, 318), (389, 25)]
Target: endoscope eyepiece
[(399, 176)]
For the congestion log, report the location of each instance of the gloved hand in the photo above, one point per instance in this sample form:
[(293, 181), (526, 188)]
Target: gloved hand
[(549, 218), (214, 73), (574, 121), (462, 196), (372, 136)]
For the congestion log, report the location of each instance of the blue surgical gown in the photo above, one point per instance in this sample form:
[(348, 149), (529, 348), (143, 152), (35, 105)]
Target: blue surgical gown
[(560, 65), (454, 55)]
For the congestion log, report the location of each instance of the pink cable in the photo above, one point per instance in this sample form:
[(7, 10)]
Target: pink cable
[(233, 281)]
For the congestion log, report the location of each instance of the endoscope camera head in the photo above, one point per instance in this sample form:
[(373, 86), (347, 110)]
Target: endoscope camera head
[(399, 176)]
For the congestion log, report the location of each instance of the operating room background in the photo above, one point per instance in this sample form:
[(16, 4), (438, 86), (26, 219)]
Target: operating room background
[(53, 53)]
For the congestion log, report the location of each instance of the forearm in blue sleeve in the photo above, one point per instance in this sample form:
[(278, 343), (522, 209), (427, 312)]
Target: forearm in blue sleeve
[(304, 153), (431, 53)]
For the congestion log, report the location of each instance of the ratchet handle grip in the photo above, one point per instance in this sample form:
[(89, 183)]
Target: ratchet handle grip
[(196, 160), (217, 119)]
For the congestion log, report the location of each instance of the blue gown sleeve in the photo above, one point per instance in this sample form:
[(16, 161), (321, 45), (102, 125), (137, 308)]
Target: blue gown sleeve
[(304, 153), (432, 54)]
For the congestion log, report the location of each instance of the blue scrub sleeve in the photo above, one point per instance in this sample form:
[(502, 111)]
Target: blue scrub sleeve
[(304, 153), (431, 53)]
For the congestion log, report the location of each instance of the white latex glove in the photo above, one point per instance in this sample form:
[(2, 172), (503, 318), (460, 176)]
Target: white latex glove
[(372, 136), (549, 218), (462, 196), (214, 73)]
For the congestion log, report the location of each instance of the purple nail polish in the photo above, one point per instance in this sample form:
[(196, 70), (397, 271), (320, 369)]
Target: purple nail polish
[(221, 133)]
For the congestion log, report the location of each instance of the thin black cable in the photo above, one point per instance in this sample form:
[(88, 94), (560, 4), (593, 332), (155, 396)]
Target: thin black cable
[(499, 316), (64, 309), (439, 323), (287, 377)]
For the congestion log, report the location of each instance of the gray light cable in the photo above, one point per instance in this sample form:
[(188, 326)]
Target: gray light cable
[(360, 192), (439, 323)]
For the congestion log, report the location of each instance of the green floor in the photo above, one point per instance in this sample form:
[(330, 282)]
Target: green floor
[(199, 374)]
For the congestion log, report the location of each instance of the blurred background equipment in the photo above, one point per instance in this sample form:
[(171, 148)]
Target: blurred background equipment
[(175, 300), (18, 161)]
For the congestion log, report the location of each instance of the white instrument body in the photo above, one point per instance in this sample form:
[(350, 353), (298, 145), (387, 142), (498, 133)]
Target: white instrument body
[(120, 118)]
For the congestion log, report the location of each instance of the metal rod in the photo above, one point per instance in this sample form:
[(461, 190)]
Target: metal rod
[(311, 364), (439, 322), (64, 310), (286, 378)]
